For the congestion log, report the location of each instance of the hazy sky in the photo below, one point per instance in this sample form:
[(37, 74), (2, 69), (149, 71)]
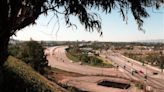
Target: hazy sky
[(114, 29)]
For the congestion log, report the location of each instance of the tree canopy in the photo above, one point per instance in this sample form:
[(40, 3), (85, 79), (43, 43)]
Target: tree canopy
[(17, 14)]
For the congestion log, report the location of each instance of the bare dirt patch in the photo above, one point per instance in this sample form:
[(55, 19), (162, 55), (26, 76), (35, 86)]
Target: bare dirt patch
[(75, 82)]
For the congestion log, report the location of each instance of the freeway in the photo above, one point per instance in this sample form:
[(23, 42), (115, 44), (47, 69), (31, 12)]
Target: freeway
[(137, 70), (57, 58)]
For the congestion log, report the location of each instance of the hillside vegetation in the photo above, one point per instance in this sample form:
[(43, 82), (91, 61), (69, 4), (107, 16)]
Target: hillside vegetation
[(32, 53), (20, 77)]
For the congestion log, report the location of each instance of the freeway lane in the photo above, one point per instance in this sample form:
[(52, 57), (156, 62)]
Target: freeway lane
[(57, 58), (128, 65)]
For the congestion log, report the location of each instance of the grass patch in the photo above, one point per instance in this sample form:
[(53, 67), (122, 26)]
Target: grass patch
[(109, 63), (74, 59), (90, 60), (19, 77)]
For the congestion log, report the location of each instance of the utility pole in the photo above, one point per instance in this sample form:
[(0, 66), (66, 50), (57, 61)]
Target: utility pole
[(146, 73)]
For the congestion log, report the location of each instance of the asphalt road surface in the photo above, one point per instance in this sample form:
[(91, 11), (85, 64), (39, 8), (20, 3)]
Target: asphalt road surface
[(137, 70), (57, 58)]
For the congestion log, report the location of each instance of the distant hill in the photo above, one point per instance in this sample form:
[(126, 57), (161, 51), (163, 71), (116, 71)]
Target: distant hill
[(152, 41)]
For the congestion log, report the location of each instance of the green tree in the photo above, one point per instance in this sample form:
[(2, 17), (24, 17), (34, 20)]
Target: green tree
[(17, 14), (84, 58), (14, 50), (161, 57), (33, 54), (152, 58)]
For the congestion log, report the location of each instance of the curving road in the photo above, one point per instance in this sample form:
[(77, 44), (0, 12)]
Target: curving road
[(57, 58)]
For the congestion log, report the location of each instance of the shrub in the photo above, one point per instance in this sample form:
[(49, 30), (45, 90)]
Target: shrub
[(32, 53)]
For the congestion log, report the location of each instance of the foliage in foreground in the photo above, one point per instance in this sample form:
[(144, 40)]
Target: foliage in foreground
[(19, 77)]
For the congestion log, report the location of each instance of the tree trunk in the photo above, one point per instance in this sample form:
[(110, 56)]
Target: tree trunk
[(4, 39), (5, 28), (3, 49), (5, 33)]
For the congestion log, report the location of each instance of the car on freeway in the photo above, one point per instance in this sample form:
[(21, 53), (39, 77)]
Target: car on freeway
[(155, 73), (141, 71), (135, 71)]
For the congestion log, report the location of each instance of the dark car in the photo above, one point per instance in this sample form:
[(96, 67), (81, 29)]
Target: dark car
[(155, 73), (135, 71), (141, 71)]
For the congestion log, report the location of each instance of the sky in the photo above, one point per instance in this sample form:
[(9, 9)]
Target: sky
[(113, 27)]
